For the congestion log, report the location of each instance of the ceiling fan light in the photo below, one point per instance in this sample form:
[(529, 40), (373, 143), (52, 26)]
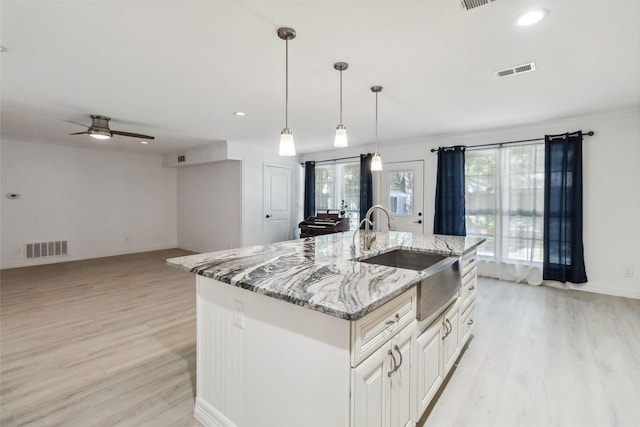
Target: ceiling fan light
[(99, 134), (376, 162), (341, 136), (287, 146)]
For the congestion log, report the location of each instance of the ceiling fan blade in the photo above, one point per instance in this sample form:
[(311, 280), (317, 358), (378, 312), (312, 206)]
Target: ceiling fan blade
[(132, 135), (79, 124), (79, 133)]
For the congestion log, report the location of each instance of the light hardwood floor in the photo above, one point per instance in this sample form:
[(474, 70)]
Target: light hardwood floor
[(111, 342), (103, 342)]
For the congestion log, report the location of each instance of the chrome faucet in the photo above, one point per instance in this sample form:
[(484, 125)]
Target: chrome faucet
[(370, 237), (353, 239)]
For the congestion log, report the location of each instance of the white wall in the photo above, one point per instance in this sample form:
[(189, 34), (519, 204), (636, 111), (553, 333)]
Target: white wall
[(611, 160), (253, 160), (103, 202), (210, 206)]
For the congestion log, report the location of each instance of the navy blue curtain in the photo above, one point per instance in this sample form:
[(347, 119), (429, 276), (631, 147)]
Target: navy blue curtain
[(563, 246), (366, 185), (449, 208), (309, 189)]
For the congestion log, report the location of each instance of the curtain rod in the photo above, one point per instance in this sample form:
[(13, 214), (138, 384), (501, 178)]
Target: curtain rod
[(334, 160), (500, 144)]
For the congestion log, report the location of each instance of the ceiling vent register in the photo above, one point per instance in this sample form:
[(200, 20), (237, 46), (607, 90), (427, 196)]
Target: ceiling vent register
[(470, 4), (518, 69)]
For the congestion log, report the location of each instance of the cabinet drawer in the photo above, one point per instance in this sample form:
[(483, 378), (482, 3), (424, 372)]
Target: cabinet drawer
[(468, 262), (468, 287), (376, 328), (467, 321)]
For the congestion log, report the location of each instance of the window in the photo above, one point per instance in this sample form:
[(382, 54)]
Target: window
[(338, 182), (505, 201), (401, 192)]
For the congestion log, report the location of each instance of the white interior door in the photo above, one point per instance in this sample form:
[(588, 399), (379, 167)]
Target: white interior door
[(277, 204), (402, 191)]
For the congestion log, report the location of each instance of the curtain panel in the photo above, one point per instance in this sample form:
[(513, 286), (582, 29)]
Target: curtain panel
[(449, 215), (563, 209), (309, 189), (366, 185)]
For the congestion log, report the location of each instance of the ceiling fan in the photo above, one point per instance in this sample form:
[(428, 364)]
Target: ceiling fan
[(99, 129)]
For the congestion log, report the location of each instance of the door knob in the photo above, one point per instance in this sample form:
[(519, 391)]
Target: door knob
[(418, 221), (267, 216)]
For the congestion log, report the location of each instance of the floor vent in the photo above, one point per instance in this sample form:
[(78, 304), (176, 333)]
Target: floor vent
[(524, 68), (470, 4), (46, 249)]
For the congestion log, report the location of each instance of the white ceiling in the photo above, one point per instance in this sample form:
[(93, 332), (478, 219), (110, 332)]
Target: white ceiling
[(179, 69)]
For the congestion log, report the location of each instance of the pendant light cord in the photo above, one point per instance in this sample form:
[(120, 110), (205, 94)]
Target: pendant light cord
[(340, 97), (286, 85), (376, 122)]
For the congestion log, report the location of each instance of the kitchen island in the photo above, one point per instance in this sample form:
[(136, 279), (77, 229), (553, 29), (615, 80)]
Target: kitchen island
[(302, 333)]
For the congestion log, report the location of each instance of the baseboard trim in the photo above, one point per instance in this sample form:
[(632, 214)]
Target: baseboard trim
[(195, 249), (616, 292), (210, 416), (68, 258)]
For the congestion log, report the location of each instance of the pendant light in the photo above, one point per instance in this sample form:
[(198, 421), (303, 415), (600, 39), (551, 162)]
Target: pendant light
[(341, 131), (287, 147), (376, 160)]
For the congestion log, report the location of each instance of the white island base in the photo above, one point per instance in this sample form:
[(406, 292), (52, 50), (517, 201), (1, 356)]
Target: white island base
[(266, 362)]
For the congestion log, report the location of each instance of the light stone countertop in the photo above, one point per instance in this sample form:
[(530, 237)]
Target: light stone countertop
[(321, 273)]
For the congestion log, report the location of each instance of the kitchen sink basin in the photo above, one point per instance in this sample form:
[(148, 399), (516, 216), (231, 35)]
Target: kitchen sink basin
[(402, 258), (440, 282)]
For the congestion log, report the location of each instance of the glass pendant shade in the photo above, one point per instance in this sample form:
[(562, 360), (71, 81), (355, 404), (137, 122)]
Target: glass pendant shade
[(287, 147), (376, 162), (341, 137)]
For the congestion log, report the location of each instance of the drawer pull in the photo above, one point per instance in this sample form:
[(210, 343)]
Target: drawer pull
[(447, 330), (399, 354), (470, 322), (450, 327), (471, 287), (395, 365), (391, 322)]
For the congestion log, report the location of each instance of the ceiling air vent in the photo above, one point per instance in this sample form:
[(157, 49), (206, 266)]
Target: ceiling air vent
[(470, 4), (519, 69)]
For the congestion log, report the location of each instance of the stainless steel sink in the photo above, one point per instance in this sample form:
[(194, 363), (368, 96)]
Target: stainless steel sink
[(441, 279), (402, 258)]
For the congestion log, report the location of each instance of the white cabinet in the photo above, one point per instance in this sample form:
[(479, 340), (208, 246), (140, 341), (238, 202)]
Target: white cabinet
[(450, 336), (437, 351), (429, 366), (383, 384), (439, 345)]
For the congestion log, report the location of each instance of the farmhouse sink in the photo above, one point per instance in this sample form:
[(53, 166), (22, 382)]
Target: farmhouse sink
[(440, 282)]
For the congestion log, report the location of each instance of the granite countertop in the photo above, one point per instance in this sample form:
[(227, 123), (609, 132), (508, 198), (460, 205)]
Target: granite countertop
[(321, 273)]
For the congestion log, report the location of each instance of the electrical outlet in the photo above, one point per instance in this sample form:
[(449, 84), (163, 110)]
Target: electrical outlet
[(628, 271), (18, 249), (238, 313)]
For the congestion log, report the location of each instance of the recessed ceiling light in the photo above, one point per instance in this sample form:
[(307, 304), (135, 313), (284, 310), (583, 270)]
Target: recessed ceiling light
[(239, 113), (531, 17), (144, 142)]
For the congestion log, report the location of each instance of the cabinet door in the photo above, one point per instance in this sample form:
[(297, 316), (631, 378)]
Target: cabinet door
[(370, 385), (429, 366), (402, 380), (450, 337)]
